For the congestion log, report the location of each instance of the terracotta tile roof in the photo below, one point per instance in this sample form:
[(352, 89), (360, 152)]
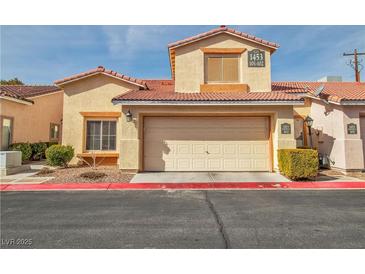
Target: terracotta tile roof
[(163, 90), (224, 29), (101, 69), (24, 92), (333, 91)]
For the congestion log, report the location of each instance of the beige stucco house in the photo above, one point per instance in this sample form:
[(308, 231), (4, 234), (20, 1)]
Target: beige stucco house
[(30, 114), (220, 111)]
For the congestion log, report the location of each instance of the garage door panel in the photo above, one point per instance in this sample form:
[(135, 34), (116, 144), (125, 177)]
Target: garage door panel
[(199, 164), (206, 144)]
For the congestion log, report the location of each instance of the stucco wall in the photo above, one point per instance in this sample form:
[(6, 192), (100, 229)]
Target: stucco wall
[(303, 110), (189, 64), (131, 139), (331, 121), (92, 94), (32, 122)]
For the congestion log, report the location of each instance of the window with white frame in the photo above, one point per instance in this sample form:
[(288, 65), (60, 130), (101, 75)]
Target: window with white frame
[(101, 135)]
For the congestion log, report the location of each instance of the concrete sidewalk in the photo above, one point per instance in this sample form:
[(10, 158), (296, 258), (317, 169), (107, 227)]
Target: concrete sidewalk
[(24, 178), (207, 177)]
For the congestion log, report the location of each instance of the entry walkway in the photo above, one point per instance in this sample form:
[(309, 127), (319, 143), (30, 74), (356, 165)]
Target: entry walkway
[(207, 177)]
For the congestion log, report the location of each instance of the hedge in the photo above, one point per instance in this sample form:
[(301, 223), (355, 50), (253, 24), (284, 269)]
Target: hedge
[(38, 150), (59, 155), (25, 148), (298, 163), (32, 151)]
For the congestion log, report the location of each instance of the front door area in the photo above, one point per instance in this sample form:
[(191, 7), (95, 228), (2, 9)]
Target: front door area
[(206, 144)]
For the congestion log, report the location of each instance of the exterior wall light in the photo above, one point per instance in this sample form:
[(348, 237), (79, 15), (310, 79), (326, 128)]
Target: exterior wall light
[(309, 121), (129, 116)]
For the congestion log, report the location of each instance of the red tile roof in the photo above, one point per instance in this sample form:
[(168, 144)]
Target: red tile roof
[(220, 30), (100, 69), (333, 91), (24, 92), (163, 90)]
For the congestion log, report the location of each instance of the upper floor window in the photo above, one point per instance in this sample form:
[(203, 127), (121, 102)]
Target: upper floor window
[(223, 69)]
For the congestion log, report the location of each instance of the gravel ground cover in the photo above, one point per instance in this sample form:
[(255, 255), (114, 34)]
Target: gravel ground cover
[(73, 175)]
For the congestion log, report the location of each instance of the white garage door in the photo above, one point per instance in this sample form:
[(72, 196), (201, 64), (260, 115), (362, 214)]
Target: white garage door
[(206, 144)]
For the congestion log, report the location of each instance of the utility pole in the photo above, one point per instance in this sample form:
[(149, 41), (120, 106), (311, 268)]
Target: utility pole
[(355, 64)]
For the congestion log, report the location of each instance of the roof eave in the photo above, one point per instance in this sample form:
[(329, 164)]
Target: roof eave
[(353, 102), (18, 100), (62, 83), (206, 103), (172, 46)]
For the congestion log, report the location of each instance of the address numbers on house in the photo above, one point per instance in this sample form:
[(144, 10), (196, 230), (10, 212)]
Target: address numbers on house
[(285, 128), (256, 58), (351, 128)]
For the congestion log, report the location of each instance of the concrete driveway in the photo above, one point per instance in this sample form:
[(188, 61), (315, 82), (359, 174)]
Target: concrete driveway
[(206, 177)]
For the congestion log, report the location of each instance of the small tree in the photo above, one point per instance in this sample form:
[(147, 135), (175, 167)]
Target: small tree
[(14, 81), (93, 165)]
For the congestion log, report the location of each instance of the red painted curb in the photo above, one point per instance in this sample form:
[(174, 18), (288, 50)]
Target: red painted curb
[(165, 186), (3, 186)]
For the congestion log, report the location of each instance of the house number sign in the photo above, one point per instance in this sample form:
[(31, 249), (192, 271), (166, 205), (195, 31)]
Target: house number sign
[(352, 128), (256, 58), (285, 128)]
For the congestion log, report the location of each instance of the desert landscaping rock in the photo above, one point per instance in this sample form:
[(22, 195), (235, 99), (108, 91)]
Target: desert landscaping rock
[(73, 175)]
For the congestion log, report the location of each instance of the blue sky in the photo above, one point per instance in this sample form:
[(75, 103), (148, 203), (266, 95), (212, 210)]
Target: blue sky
[(42, 54)]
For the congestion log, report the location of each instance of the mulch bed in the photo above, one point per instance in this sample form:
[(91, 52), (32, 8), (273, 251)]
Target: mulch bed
[(73, 175)]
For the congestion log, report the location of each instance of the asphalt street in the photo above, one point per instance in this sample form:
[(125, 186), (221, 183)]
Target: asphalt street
[(183, 219)]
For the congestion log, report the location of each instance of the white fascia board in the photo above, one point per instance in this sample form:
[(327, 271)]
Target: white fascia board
[(207, 103), (353, 103)]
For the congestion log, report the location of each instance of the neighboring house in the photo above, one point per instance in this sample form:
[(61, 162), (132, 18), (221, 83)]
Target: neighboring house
[(339, 124), (30, 114), (219, 112)]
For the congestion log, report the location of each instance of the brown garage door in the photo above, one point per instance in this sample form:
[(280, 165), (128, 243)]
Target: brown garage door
[(206, 144)]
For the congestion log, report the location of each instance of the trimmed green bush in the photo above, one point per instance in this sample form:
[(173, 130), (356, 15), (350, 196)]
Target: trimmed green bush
[(39, 150), (25, 148), (59, 155), (49, 144), (298, 163)]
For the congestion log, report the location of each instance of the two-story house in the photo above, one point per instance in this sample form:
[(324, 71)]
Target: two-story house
[(219, 112)]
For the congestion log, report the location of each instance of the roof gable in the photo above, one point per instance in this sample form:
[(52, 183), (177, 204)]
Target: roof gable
[(217, 31), (97, 71)]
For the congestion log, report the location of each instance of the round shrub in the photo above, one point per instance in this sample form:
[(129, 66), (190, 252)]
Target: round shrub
[(59, 155), (39, 150), (25, 148)]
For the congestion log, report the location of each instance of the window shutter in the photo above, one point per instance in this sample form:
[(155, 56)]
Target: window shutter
[(214, 69), (230, 69)]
